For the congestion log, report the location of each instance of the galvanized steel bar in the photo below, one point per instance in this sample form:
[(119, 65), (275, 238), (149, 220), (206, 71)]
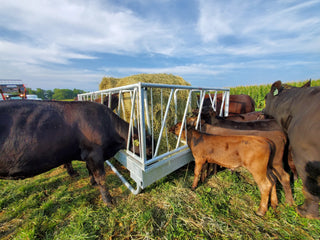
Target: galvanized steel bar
[(123, 180), (163, 122), (142, 124), (184, 118)]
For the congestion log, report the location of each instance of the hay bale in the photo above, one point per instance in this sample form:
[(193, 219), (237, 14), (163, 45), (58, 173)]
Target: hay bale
[(161, 78)]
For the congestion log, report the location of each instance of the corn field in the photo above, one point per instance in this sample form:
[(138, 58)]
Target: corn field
[(258, 92)]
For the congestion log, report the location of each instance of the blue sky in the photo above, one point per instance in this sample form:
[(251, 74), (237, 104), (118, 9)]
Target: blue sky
[(210, 43)]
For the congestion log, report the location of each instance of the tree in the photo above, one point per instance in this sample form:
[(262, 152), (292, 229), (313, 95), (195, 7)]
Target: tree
[(40, 93), (61, 94), (48, 94), (77, 91)]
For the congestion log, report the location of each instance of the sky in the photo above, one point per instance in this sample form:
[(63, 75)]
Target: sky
[(210, 43)]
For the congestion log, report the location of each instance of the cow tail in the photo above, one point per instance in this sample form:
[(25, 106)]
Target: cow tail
[(270, 170)]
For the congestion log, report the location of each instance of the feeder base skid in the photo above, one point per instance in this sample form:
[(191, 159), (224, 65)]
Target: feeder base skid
[(146, 175)]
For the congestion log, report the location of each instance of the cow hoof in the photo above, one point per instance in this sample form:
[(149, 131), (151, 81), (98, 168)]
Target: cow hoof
[(260, 213), (304, 213), (108, 202), (93, 182)]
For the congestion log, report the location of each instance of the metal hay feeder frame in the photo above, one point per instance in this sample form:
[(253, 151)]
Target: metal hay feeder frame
[(147, 171)]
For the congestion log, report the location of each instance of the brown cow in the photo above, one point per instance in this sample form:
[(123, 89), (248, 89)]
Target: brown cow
[(246, 117), (252, 152), (243, 122), (114, 101), (237, 103), (277, 137)]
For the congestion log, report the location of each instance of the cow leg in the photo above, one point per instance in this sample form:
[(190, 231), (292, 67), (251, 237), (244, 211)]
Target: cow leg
[(274, 197), (204, 171), (284, 179), (95, 165), (309, 172), (70, 170), (197, 171), (310, 207), (92, 181), (291, 164), (265, 187), (207, 169), (212, 168)]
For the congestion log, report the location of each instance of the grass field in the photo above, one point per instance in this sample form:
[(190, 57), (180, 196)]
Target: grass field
[(55, 206)]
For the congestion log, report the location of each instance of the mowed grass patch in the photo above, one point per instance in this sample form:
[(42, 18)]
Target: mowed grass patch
[(56, 206)]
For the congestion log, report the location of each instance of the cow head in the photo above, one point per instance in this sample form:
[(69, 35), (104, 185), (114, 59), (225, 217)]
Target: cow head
[(277, 89), (175, 129), (135, 145), (192, 121), (207, 114), (271, 97)]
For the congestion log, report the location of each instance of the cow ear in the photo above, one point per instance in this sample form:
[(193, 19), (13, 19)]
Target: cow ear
[(191, 121), (275, 88), (307, 84)]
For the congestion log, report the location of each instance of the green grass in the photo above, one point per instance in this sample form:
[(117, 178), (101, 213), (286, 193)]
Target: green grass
[(55, 206)]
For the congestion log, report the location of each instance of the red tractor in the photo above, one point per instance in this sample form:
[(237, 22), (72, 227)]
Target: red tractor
[(12, 89)]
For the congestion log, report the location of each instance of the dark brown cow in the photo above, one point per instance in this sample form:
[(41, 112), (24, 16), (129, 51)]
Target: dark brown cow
[(246, 117), (208, 114), (36, 136), (297, 111), (277, 137), (252, 152), (114, 101), (263, 125), (237, 103)]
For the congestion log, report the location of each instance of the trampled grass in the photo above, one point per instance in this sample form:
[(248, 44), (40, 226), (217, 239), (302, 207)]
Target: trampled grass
[(55, 206)]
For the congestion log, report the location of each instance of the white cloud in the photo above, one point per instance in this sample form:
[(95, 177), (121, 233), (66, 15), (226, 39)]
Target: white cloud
[(41, 39), (35, 76), (84, 26), (213, 69), (190, 69), (259, 27), (11, 51)]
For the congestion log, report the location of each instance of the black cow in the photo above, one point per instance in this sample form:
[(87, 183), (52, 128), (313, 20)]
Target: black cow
[(36, 136), (297, 111), (122, 128)]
